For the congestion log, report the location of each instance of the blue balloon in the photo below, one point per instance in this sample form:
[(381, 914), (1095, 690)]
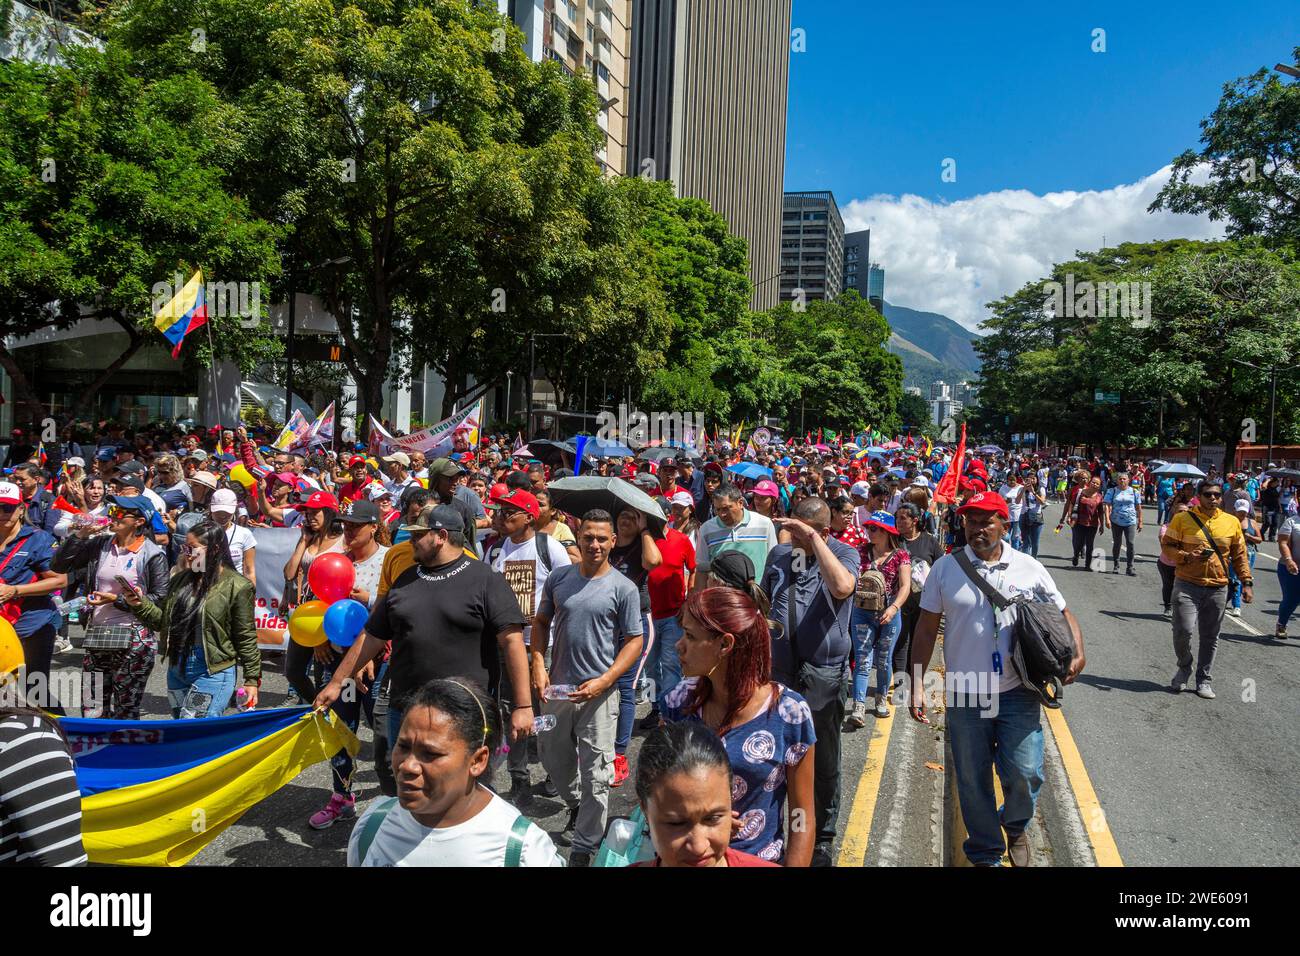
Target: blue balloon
[(344, 621)]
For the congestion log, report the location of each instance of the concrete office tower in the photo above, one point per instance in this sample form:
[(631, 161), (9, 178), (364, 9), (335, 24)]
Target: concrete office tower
[(708, 91), (591, 36), (812, 247), (857, 256)]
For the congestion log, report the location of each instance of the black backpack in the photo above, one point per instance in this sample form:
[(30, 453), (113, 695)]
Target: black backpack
[(1041, 644), (543, 551)]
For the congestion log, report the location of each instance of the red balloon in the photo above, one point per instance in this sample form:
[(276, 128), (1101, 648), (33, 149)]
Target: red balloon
[(331, 576)]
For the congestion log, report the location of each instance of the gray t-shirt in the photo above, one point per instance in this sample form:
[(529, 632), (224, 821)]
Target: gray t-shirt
[(822, 621), (590, 617)]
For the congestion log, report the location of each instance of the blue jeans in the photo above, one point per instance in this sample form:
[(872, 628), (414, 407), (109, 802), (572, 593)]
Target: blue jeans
[(873, 643), (1014, 740), (1015, 534), (208, 694), (627, 693), (1029, 535), (1290, 584), (662, 664), (1163, 509), (1234, 582)]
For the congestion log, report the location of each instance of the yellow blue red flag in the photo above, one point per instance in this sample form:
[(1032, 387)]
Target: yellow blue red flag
[(186, 311), (156, 792)]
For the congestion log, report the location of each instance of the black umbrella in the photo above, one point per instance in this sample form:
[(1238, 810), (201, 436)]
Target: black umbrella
[(660, 452), (1284, 473), (579, 495), (556, 454)]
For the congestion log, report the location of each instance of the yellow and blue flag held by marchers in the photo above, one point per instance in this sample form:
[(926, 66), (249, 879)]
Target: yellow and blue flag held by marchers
[(185, 312), (156, 792)]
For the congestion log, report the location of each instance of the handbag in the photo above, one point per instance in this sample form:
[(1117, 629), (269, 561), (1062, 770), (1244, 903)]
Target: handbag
[(110, 637), (1210, 538), (1042, 646)]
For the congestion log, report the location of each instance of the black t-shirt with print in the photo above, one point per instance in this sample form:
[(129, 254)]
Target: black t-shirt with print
[(443, 622), (627, 561)]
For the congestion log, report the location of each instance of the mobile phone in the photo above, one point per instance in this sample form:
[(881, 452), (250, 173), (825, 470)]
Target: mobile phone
[(124, 584)]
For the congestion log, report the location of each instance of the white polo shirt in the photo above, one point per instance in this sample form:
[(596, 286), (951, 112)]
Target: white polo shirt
[(968, 637)]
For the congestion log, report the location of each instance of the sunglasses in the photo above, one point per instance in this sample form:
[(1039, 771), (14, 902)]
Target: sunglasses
[(8, 509), (1211, 494)]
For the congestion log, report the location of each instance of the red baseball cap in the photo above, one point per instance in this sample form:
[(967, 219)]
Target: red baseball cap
[(356, 460), (986, 501), (518, 498), (321, 499)]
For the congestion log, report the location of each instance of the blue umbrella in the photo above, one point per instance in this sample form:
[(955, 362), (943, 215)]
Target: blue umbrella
[(751, 470), (605, 448), (898, 473)]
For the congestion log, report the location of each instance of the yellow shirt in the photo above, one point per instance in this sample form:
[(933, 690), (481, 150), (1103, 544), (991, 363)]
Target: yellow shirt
[(1184, 540)]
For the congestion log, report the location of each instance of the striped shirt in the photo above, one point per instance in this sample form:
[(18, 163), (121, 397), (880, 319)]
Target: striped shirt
[(753, 535), (40, 803)]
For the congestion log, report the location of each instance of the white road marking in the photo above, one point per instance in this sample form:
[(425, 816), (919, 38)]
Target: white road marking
[(1242, 622)]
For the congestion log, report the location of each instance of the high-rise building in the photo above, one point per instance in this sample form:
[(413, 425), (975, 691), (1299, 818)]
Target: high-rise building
[(812, 247), (941, 408), (876, 287), (940, 390), (591, 36), (707, 90), (857, 256), (966, 392)]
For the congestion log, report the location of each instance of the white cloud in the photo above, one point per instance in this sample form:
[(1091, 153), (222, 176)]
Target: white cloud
[(954, 258)]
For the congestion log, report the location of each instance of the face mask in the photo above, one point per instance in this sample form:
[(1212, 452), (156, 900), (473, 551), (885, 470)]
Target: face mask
[(199, 560)]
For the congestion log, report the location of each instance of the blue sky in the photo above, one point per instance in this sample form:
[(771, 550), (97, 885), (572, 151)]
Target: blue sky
[(1055, 146), (1012, 91)]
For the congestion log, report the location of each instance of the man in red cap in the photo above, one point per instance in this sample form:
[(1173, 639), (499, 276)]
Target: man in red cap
[(991, 717)]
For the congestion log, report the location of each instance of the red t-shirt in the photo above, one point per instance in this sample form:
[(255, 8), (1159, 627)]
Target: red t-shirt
[(667, 582), (352, 491)]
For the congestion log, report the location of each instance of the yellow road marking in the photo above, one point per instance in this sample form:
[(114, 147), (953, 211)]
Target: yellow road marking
[(853, 851), (1094, 818)]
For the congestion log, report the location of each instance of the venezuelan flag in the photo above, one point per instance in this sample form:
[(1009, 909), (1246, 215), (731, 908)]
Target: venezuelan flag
[(185, 312), (156, 792)]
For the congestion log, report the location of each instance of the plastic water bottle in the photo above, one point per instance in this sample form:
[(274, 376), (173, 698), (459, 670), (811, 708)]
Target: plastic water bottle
[(70, 609), (559, 691), (543, 723), (241, 696)]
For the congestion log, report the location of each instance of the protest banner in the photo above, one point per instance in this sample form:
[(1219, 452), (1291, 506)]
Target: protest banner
[(274, 548), (454, 435)]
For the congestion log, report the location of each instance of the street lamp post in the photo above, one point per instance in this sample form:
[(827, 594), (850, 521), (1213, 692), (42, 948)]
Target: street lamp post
[(509, 375), (532, 369)]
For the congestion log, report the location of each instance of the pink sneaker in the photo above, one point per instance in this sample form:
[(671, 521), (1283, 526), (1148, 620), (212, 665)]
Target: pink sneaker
[(339, 808)]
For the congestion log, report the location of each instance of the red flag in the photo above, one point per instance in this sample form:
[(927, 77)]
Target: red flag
[(819, 436), (62, 504), (946, 492)]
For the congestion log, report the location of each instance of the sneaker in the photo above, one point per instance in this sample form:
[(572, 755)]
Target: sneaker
[(579, 858), (881, 708), (1205, 691), (565, 836), (1169, 613), (1131, 573), (1180, 679), (650, 721), (520, 790), (621, 772), (1116, 571), (548, 788), (858, 718), (340, 807), (1075, 561), (822, 855), (62, 645), (1280, 633)]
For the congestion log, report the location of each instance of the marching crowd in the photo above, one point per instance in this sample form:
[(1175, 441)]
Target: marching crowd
[(765, 602)]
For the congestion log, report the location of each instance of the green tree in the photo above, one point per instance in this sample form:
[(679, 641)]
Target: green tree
[(1251, 144), (109, 185)]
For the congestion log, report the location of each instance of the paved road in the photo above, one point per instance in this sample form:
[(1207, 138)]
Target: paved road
[(1182, 781)]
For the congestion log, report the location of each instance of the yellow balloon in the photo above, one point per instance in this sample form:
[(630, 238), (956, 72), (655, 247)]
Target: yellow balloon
[(307, 623), (240, 474), (11, 649)]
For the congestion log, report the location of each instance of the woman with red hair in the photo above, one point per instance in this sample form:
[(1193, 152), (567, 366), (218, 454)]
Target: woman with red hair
[(726, 655)]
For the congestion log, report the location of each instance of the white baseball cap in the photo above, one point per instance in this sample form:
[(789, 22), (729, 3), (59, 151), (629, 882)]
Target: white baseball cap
[(76, 462), (860, 488), (223, 499), (683, 498), (1241, 505), (375, 491), (9, 494)]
